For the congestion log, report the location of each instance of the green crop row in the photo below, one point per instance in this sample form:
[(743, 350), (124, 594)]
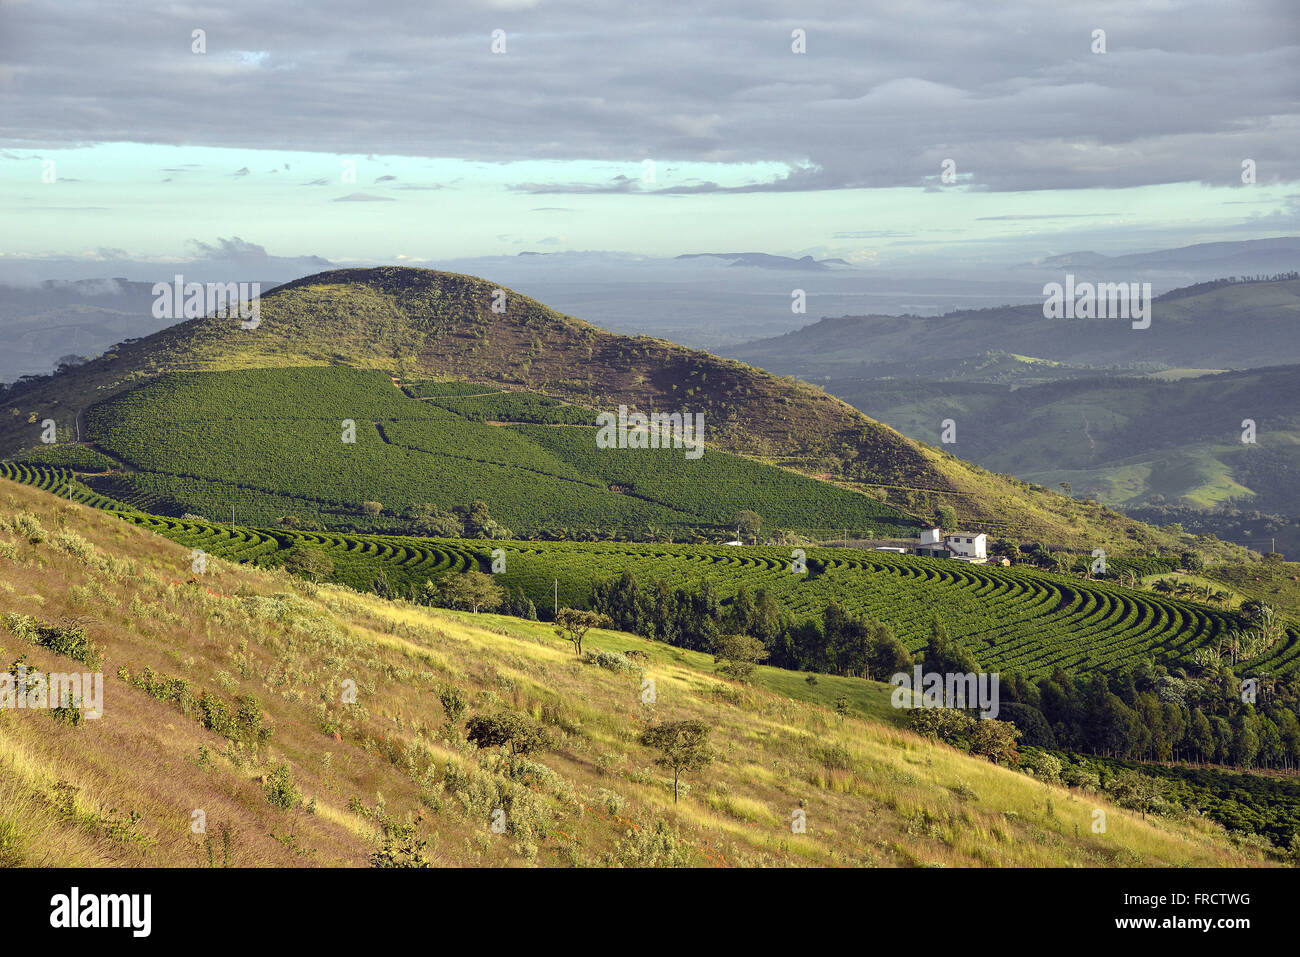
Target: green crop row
[(1015, 618)]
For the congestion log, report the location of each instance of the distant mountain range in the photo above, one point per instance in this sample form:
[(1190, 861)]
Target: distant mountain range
[(765, 261), (703, 300), (1224, 326), (1225, 259)]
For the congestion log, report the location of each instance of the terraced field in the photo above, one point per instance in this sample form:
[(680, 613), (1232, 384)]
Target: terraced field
[(319, 441), (1010, 618)]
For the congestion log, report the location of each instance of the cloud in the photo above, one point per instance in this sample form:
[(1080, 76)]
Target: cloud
[(363, 198), (619, 184), (1013, 217), (1010, 91), (234, 249)]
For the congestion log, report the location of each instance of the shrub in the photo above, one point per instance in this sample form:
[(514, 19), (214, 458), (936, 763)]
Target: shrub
[(280, 790), (400, 848), (309, 563), (941, 724), (657, 846), (25, 523), (1044, 766), (68, 639), (453, 703), (611, 661)]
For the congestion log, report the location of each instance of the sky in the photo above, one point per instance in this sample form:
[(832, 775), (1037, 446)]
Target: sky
[(418, 132)]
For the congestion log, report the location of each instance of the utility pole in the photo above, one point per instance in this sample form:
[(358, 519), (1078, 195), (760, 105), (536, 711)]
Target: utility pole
[(232, 515), (557, 598)]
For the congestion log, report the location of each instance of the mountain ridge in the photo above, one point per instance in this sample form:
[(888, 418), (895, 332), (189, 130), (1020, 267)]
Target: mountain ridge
[(411, 323)]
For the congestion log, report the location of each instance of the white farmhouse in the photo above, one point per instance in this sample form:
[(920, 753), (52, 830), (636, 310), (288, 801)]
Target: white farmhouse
[(961, 546)]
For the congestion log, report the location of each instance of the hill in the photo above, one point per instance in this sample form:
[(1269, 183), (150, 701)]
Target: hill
[(1123, 440), (414, 325), (254, 719), (1241, 325)]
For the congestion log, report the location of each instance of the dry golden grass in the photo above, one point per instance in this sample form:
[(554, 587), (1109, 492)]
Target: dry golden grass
[(123, 790)]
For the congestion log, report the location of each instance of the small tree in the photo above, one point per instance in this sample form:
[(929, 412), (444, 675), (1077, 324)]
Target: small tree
[(428, 519), (453, 703), (510, 730), (995, 740), (309, 563), (372, 509), (945, 516), (473, 590), (572, 625), (1144, 793), (748, 523), (479, 522), (737, 655), (683, 747)]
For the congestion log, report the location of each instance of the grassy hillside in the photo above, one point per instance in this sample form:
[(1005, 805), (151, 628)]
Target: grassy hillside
[(417, 324), (299, 774)]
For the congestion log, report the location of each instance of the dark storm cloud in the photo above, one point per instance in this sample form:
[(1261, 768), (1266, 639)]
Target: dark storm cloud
[(1010, 92)]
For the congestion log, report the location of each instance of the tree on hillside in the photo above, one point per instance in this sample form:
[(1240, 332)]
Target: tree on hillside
[(380, 585), (472, 589), (748, 523), (572, 624), (945, 517), (738, 655), (1144, 793), (683, 746), (479, 523), (995, 740), (425, 518), (888, 655), (944, 655), (310, 563), (508, 729), (1005, 548)]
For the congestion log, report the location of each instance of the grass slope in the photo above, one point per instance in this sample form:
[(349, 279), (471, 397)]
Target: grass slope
[(334, 778)]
